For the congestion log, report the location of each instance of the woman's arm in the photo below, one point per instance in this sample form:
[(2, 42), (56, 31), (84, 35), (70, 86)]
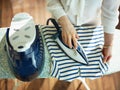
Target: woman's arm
[(109, 22), (56, 9), (109, 15), (69, 34), (107, 48), (108, 39)]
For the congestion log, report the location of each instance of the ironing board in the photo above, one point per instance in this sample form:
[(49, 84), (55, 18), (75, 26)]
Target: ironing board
[(4, 67), (6, 73)]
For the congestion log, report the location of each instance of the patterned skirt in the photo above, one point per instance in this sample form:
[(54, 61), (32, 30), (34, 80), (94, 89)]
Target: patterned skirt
[(63, 67)]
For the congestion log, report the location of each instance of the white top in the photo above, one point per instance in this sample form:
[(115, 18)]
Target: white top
[(93, 12)]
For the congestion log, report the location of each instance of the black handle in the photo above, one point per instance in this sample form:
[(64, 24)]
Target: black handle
[(54, 23)]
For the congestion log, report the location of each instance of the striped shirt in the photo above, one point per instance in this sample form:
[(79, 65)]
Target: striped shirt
[(64, 68)]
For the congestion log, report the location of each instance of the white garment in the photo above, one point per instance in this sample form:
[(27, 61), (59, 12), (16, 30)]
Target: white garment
[(87, 12)]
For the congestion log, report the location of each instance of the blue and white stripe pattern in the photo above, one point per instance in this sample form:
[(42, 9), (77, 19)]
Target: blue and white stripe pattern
[(64, 68)]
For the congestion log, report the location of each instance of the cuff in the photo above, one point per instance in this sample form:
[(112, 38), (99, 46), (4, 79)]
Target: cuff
[(57, 12), (109, 30)]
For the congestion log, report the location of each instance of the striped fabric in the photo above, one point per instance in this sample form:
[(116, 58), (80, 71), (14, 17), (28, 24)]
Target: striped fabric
[(64, 68)]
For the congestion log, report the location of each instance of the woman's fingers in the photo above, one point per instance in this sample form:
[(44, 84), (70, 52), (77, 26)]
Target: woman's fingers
[(69, 42), (74, 40), (77, 36), (106, 58), (107, 53), (64, 38)]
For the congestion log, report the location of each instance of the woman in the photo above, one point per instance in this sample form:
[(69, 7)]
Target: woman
[(86, 13)]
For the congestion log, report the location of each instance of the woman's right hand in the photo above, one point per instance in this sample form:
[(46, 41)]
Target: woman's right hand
[(69, 34)]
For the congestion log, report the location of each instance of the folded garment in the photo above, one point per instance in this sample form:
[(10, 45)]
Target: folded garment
[(65, 68)]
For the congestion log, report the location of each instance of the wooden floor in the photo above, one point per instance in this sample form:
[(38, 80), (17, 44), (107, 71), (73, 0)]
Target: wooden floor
[(37, 9)]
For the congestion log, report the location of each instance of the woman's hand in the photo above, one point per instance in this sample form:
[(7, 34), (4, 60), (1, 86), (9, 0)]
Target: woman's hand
[(69, 34), (107, 53), (107, 48)]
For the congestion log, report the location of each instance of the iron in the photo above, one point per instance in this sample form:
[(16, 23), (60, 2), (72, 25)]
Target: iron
[(24, 47), (77, 54)]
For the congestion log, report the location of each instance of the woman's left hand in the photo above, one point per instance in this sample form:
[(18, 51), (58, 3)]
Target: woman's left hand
[(107, 53)]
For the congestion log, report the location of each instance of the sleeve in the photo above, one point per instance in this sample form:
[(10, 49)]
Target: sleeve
[(56, 8), (109, 16)]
